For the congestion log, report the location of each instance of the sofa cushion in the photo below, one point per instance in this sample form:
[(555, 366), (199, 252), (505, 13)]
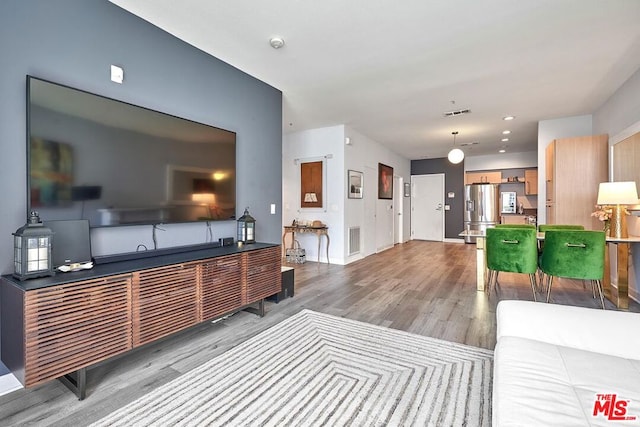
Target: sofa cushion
[(537, 383), (590, 329)]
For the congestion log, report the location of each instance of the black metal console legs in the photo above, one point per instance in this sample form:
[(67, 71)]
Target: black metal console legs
[(76, 382), (259, 310)]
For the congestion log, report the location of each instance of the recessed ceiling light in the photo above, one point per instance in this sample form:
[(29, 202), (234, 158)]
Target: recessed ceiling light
[(276, 42), (502, 150), (505, 139), (508, 117), (506, 132)]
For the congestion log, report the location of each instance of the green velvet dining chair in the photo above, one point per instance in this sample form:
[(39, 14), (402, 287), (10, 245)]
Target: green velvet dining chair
[(513, 250), (545, 227), (515, 226), (574, 254)]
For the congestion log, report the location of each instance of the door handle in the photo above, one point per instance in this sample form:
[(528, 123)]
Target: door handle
[(470, 205)]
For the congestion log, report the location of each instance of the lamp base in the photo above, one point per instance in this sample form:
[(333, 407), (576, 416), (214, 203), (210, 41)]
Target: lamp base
[(618, 222)]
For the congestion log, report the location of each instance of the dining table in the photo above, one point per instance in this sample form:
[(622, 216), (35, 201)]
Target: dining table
[(616, 290)]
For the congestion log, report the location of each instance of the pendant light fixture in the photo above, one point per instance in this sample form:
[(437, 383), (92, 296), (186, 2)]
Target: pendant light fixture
[(456, 155)]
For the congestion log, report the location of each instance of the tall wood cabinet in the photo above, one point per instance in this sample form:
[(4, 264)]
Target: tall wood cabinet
[(531, 182), (574, 169)]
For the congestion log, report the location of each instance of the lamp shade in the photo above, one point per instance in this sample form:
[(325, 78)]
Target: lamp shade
[(618, 193), (310, 197), (455, 156)]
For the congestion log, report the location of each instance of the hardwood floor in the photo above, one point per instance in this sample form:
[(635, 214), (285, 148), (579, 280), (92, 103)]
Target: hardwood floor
[(426, 288)]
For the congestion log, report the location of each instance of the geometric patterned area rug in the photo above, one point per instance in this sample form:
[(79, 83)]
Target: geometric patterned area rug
[(315, 369)]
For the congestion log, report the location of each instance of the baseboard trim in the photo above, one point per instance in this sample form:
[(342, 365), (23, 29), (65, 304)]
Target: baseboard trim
[(449, 240)]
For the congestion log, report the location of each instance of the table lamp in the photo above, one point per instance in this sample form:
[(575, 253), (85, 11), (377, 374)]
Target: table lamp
[(310, 198), (617, 194)]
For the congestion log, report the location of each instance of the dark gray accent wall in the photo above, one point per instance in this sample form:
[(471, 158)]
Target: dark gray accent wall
[(74, 42), (453, 182)]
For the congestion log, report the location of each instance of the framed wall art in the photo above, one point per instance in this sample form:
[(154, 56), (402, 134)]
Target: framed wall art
[(354, 184), (385, 182), (311, 184)]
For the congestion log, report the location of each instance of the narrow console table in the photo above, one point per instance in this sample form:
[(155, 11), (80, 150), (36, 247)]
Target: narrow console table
[(318, 231), (56, 327)]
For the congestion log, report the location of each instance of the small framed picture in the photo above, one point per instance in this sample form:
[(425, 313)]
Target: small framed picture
[(354, 183)]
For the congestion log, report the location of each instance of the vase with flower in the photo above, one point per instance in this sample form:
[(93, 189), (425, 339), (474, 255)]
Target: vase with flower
[(603, 213)]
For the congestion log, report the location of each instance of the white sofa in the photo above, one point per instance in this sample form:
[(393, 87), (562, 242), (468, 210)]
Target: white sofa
[(552, 363)]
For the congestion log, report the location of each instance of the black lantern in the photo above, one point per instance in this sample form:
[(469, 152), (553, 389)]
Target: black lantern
[(32, 249), (246, 228)]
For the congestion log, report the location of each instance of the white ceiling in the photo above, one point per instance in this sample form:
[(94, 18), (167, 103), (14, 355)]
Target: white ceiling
[(389, 70)]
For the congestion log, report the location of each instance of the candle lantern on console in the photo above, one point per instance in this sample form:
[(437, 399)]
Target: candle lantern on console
[(246, 228), (32, 249)]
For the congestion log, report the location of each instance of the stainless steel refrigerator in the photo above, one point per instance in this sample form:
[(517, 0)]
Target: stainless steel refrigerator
[(481, 208)]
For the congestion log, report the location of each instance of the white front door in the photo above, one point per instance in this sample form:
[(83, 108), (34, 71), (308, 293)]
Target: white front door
[(427, 207)]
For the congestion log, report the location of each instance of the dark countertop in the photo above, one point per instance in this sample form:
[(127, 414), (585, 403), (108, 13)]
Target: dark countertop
[(525, 211), (149, 259)]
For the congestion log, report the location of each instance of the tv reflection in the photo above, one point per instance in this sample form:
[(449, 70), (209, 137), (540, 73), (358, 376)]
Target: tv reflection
[(51, 173)]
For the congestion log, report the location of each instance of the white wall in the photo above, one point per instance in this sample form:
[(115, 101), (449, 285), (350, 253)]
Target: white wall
[(312, 145), (621, 110), (364, 154), (341, 212), (528, 159), (548, 130)]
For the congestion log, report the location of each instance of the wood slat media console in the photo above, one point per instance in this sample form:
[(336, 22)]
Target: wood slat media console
[(75, 325), (55, 330)]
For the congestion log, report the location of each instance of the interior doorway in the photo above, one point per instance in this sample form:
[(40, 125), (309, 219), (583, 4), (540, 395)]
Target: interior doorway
[(370, 197), (427, 207)]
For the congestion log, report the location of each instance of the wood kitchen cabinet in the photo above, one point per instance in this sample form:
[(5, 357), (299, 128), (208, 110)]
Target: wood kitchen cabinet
[(483, 177), (574, 169), (513, 219), (531, 182)]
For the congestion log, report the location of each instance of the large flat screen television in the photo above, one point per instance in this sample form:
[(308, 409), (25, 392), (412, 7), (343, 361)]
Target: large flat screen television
[(114, 163)]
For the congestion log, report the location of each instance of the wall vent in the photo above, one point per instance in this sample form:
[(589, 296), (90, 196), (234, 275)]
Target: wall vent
[(456, 113), (354, 240)]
